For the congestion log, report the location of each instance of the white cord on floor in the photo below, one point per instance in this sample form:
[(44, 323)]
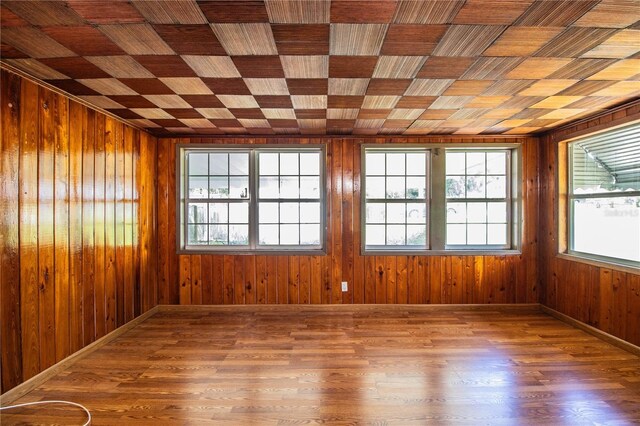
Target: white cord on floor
[(26, 404)]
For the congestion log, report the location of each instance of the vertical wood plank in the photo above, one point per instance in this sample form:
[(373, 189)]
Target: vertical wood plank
[(401, 279), (250, 280), (316, 280), (336, 219), (227, 282), (164, 283), (347, 221), (390, 271), (206, 275), (120, 223), (283, 279), (76, 117), (129, 283), (196, 279), (217, 282), (46, 249), (305, 280), (185, 279), (238, 280), (94, 219), (60, 111), (10, 268), (294, 279), (261, 279), (110, 225)]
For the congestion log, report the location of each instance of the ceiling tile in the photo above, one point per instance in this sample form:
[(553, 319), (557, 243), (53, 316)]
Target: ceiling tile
[(554, 13), (234, 11), (108, 86), (246, 39), (308, 86), (428, 87), (357, 39), (398, 66), (620, 70), (486, 68), (302, 66), (611, 14), (537, 68), (491, 12), (136, 39), (427, 12), (120, 66), (242, 101), (362, 11), (83, 40), (267, 86), (443, 67), (170, 11), (388, 86), (412, 40), (212, 66), (348, 86), (274, 101), (36, 68), (34, 42), (467, 40), (75, 67), (113, 12), (259, 66), (190, 39), (352, 66), (202, 101), (227, 86), (620, 45), (309, 101), (147, 86), (166, 65), (547, 87), (186, 85), (298, 12), (301, 39), (44, 13), (581, 68), (573, 42)]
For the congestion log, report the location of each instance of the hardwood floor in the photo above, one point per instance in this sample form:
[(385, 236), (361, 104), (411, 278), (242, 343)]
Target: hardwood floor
[(347, 365)]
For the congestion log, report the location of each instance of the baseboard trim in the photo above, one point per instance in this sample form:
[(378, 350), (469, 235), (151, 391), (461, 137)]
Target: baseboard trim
[(602, 335), (359, 307), (23, 388)]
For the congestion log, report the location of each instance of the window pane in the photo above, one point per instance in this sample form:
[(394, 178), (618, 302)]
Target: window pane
[(475, 163), (396, 213), (376, 213), (218, 234), (238, 213), (416, 188), (197, 212), (218, 213), (268, 234), (198, 187), (269, 187), (310, 212), (288, 164), (416, 213), (197, 234), (456, 234), (289, 234), (455, 163), (476, 234), (268, 163), (239, 234), (497, 234), (476, 212), (310, 163), (375, 235), (395, 235), (497, 212), (417, 163), (607, 227), (496, 163), (375, 163), (239, 164), (395, 187), (289, 213), (269, 213), (219, 187), (416, 235), (456, 212), (198, 164), (496, 187), (310, 234), (455, 187), (475, 187), (219, 164), (310, 187), (289, 187), (375, 187), (238, 187), (395, 164)]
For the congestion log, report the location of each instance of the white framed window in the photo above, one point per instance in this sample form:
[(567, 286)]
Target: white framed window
[(440, 198), (603, 206), (251, 199)]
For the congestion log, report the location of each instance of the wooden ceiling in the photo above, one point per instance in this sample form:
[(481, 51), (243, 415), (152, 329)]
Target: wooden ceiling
[(333, 67)]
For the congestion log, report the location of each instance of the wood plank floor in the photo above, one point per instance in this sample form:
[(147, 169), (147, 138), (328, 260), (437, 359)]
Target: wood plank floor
[(347, 365)]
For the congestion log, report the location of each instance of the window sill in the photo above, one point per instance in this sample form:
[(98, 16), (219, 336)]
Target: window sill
[(253, 252), (442, 253), (598, 263)]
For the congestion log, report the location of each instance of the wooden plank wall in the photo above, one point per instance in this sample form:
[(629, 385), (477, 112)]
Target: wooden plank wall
[(71, 179), (249, 279), (605, 298)]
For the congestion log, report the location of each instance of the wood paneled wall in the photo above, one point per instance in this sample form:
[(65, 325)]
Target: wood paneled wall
[(605, 298), (77, 226), (248, 279)]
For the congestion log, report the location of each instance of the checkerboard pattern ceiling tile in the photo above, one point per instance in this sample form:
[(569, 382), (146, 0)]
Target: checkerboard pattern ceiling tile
[(332, 66)]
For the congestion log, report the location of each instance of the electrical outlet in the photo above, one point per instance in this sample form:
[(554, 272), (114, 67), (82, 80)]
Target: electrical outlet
[(345, 286)]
